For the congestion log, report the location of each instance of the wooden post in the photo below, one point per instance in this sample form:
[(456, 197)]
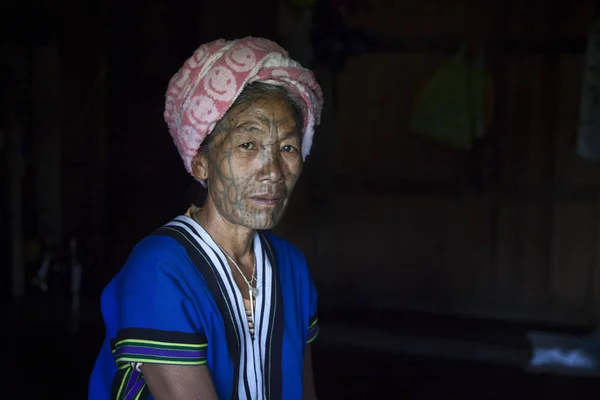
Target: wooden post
[(45, 76), (16, 169)]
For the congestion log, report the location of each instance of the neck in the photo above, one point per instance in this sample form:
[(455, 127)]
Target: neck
[(235, 239)]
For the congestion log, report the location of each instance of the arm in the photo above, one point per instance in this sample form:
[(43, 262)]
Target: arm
[(159, 329), (175, 382), (309, 391)]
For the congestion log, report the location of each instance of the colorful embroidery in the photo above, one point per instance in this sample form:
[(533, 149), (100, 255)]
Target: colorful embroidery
[(148, 351), (132, 385), (134, 347)]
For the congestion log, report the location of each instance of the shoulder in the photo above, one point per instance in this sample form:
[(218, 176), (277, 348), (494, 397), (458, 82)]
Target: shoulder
[(154, 250), (157, 245), (292, 269), (155, 264), (284, 248), (291, 261), (156, 261), (153, 290)]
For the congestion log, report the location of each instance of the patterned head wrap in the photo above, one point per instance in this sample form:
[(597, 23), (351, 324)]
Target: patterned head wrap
[(202, 91)]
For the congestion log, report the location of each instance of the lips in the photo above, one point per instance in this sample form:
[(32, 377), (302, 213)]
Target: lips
[(267, 199)]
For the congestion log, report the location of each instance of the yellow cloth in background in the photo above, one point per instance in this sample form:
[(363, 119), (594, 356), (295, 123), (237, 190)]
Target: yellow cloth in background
[(455, 105)]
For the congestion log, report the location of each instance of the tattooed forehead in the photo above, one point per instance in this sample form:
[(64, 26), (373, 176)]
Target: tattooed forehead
[(259, 121), (271, 119)]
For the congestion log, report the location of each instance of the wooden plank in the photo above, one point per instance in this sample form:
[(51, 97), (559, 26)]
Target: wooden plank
[(532, 266), (397, 187), (47, 89), (549, 70), (506, 27), (16, 170), (342, 335), (417, 249), (522, 46), (411, 17), (510, 253), (574, 254), (530, 315)]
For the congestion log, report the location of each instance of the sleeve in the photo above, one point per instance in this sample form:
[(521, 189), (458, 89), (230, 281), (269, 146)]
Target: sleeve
[(313, 320), (156, 321)]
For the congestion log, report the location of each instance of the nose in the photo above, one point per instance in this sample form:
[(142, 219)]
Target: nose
[(271, 169)]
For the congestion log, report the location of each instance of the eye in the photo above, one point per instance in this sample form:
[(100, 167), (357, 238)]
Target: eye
[(288, 148), (247, 146)]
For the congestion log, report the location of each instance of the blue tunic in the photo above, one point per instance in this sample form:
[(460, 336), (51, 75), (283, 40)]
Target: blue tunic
[(175, 302)]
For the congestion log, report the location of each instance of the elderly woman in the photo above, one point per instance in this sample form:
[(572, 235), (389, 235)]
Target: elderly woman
[(211, 305)]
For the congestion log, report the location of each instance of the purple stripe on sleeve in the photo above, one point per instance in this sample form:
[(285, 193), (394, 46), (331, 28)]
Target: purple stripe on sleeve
[(132, 380), (135, 389), (149, 351)]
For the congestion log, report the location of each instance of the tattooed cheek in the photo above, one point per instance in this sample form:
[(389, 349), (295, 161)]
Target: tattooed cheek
[(230, 196)]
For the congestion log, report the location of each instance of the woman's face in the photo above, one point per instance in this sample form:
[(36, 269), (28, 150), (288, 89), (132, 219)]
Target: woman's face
[(254, 163)]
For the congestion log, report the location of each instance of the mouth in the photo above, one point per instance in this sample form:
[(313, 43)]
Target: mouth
[(267, 200)]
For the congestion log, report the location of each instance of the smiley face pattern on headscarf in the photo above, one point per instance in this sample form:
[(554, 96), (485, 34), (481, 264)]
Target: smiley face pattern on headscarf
[(208, 83), (241, 58)]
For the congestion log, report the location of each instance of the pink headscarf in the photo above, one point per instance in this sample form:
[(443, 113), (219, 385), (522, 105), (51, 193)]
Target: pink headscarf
[(202, 91)]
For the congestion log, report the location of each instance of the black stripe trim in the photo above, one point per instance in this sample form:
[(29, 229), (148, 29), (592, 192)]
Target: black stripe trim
[(261, 324), (241, 317), (240, 330), (274, 363), (117, 382), (158, 336), (258, 324), (145, 395), (217, 289)]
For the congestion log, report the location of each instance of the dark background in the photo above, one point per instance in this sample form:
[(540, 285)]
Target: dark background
[(432, 263)]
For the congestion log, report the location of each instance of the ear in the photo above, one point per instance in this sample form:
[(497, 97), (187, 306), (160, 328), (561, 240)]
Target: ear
[(200, 166)]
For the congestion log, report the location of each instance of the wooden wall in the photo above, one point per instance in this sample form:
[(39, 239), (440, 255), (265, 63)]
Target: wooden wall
[(409, 228)]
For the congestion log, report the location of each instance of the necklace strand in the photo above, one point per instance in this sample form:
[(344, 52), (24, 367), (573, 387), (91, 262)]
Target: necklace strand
[(251, 288), (252, 291)]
